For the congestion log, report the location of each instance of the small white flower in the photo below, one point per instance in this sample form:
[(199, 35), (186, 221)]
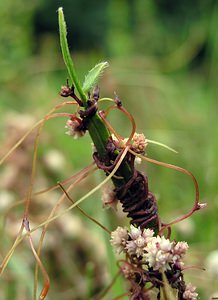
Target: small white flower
[(180, 248), (131, 247), (139, 239), (73, 129), (140, 244), (158, 253), (190, 293), (148, 234), (135, 232), (119, 238), (136, 245), (178, 251)]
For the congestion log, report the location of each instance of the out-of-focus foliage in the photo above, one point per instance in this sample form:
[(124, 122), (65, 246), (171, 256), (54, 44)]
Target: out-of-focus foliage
[(163, 59), (87, 21), (16, 35)]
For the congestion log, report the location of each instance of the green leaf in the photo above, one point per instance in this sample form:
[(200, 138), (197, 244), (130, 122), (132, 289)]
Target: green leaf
[(167, 292), (66, 54), (93, 76)]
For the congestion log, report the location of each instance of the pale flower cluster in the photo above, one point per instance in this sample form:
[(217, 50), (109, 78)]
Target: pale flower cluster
[(156, 252), (73, 129), (139, 142), (138, 240), (119, 238), (190, 293)]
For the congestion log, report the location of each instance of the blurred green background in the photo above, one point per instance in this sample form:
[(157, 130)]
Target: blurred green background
[(163, 59)]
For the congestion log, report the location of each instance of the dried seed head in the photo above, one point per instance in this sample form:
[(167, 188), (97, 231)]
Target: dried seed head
[(74, 128)]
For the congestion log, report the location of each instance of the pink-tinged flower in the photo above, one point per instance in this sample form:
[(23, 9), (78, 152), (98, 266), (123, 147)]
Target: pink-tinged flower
[(73, 128), (131, 247), (135, 232), (136, 247), (158, 253), (119, 239), (147, 234), (190, 293), (139, 239), (179, 251)]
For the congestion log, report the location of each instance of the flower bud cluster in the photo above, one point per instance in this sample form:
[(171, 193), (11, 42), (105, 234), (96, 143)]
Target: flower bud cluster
[(190, 293), (119, 238), (139, 142), (155, 252), (74, 129), (151, 255)]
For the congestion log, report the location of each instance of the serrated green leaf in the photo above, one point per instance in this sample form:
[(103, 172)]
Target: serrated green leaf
[(66, 54), (92, 77)]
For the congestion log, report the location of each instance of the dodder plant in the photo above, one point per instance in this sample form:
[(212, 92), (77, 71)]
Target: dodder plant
[(152, 264)]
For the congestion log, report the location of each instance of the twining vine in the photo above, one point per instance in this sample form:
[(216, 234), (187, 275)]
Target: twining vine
[(151, 262)]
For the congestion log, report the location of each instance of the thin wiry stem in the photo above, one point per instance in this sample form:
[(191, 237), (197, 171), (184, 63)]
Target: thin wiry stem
[(80, 177), (196, 205), (99, 186), (105, 292), (20, 141), (46, 286), (83, 212), (39, 126), (54, 187), (121, 296), (17, 241), (161, 144)]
